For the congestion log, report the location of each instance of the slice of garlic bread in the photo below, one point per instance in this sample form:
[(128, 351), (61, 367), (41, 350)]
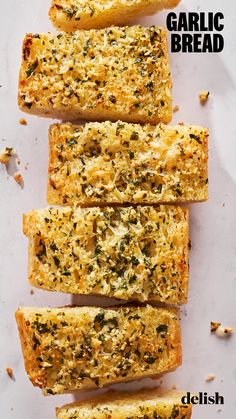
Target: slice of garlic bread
[(80, 348), (107, 163), (113, 73), (129, 253), (143, 404), (70, 15)]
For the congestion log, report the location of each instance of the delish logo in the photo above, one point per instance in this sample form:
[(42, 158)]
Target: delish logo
[(202, 398)]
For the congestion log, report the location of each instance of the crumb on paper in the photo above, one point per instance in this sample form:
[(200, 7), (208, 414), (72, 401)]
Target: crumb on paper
[(223, 205), (203, 96), (181, 123), (174, 387), (31, 292), (18, 161), (220, 331), (23, 121), (10, 373), (5, 155), (19, 178), (26, 166), (214, 326), (176, 108), (210, 377)]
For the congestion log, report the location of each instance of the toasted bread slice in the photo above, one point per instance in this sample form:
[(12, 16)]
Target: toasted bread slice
[(114, 73), (153, 403), (70, 15), (125, 163), (81, 348), (130, 253)]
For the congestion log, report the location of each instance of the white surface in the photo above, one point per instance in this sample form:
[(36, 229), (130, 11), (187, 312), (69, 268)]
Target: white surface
[(213, 224)]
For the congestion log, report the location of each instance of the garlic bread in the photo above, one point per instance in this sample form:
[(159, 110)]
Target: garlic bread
[(78, 348), (131, 253), (117, 163), (113, 73)]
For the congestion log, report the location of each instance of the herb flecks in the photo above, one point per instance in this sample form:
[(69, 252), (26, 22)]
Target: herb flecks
[(162, 329), (31, 69), (195, 137)]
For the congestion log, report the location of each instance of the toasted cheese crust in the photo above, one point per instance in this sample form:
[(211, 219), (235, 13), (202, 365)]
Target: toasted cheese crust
[(121, 405), (127, 163), (68, 349), (70, 15), (114, 73), (130, 253)]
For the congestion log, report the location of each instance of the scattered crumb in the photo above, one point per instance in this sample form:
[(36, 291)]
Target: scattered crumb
[(10, 373), (31, 292), (22, 121), (26, 166), (18, 161), (210, 377), (18, 178), (176, 108), (5, 155), (214, 326), (221, 331), (223, 205), (181, 123), (203, 97), (174, 387)]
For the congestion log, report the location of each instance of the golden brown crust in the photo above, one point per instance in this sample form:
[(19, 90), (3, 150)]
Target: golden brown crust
[(131, 253), (70, 15), (117, 163), (37, 377), (113, 73), (86, 347), (121, 405)]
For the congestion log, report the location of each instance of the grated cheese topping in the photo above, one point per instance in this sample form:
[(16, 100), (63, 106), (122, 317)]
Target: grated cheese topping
[(129, 253)]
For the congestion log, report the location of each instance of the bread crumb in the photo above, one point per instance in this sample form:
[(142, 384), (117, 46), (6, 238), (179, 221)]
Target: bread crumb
[(31, 292), (19, 178), (5, 155), (18, 161), (23, 121), (214, 326), (174, 387), (176, 108), (210, 377), (26, 166), (181, 123), (203, 96), (220, 331), (10, 373)]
